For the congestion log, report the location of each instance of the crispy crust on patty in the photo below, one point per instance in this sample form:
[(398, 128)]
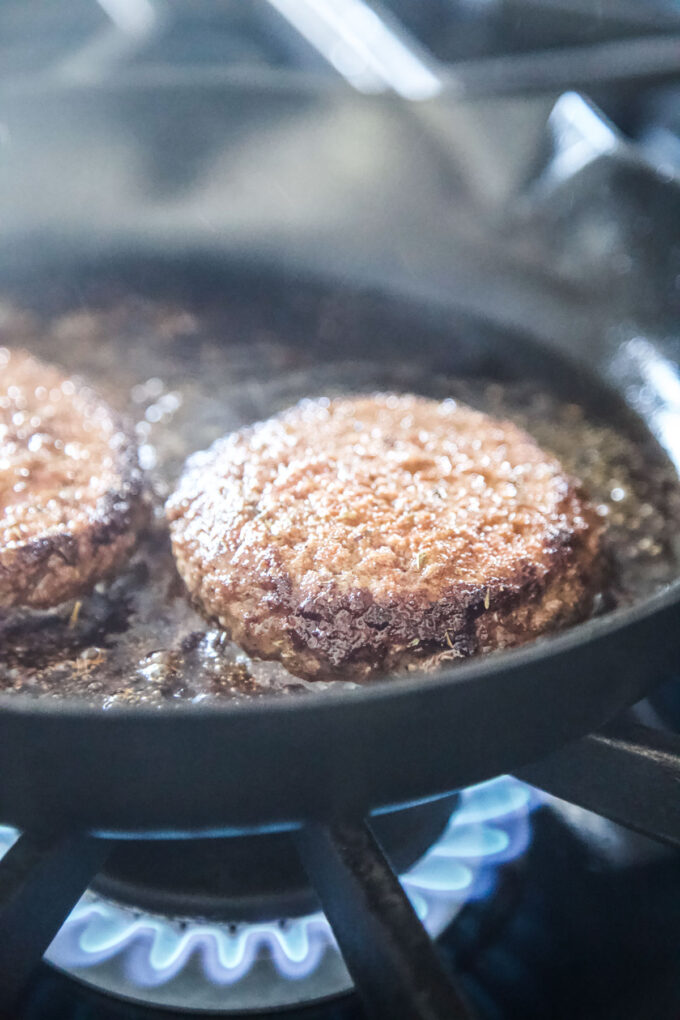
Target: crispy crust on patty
[(365, 534), (71, 489)]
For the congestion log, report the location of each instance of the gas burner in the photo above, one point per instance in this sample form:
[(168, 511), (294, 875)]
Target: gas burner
[(197, 965)]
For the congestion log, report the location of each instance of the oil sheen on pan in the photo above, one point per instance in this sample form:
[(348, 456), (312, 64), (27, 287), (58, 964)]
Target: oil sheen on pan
[(187, 373)]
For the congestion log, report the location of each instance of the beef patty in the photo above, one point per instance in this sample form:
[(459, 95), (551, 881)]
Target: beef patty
[(369, 533), (70, 485)]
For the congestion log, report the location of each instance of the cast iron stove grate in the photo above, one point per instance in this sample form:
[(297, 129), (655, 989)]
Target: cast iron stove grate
[(627, 773)]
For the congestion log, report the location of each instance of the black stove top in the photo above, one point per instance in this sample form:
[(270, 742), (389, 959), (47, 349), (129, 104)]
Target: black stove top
[(586, 924)]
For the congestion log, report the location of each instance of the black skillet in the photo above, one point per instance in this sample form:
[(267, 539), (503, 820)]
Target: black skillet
[(187, 768), (183, 767)]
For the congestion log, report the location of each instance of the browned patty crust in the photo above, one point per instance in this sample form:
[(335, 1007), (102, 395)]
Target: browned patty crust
[(70, 485), (351, 535)]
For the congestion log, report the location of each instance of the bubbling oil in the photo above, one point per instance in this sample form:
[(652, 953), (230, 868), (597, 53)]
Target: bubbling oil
[(185, 378)]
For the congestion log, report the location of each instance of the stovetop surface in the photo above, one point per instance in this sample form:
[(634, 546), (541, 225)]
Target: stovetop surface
[(34, 33), (586, 925)]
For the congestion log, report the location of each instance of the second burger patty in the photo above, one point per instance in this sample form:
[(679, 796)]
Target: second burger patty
[(71, 489), (348, 536)]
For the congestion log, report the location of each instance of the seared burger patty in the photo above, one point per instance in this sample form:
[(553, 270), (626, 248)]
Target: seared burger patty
[(70, 485), (352, 535)]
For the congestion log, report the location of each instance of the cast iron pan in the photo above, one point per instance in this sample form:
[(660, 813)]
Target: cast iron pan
[(186, 768)]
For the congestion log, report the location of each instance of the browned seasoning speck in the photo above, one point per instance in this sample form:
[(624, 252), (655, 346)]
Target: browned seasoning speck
[(75, 613)]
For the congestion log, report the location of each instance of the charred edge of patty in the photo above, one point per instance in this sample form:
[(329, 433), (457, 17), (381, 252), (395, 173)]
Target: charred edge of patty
[(52, 568), (353, 635)]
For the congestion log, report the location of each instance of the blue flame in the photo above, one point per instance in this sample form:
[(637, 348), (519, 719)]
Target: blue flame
[(491, 825)]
